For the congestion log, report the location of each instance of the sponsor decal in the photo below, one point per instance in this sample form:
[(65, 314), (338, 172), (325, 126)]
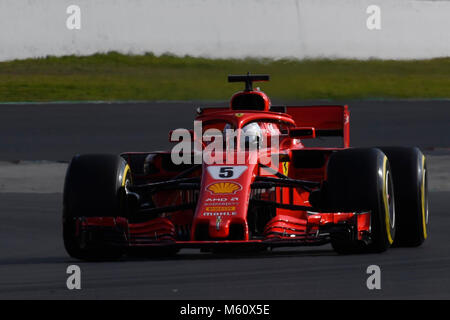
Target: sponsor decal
[(224, 188), (238, 115), (285, 168), (222, 202), (220, 209), (232, 199), (217, 214)]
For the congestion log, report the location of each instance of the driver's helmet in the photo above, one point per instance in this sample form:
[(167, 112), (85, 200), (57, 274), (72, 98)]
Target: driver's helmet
[(252, 134)]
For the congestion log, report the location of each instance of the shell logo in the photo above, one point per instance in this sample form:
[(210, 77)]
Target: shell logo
[(224, 187)]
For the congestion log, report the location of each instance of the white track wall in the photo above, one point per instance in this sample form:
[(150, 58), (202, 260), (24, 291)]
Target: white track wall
[(227, 28)]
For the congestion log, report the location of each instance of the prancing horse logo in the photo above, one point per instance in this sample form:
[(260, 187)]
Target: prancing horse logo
[(218, 222)]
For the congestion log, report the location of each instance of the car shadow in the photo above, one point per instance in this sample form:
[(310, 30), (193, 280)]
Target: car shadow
[(269, 254), (181, 256)]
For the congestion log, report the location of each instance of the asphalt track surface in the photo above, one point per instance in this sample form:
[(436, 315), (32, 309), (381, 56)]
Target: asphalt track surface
[(57, 132), (33, 261)]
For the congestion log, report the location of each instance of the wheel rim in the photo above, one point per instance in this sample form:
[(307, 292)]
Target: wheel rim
[(424, 198), (390, 198)]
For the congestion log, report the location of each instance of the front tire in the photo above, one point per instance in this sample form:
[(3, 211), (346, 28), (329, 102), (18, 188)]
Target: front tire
[(359, 180), (94, 187)]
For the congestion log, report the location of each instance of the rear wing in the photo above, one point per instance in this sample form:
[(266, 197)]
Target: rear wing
[(328, 121), (248, 79)]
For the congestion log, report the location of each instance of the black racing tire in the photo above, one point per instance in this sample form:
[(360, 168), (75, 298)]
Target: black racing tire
[(94, 187), (359, 180), (410, 175)]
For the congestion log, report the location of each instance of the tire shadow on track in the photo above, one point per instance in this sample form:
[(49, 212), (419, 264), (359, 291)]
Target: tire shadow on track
[(179, 257)]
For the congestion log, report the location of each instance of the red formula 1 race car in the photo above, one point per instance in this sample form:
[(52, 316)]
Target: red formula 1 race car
[(246, 179)]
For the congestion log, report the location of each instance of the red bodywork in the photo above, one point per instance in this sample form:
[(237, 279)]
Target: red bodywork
[(240, 210)]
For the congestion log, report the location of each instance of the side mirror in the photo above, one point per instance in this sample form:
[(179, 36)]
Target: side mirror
[(302, 132)]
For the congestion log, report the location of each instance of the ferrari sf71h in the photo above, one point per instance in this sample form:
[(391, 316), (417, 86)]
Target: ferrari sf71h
[(357, 199)]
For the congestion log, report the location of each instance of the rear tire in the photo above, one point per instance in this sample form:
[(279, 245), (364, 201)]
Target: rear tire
[(359, 180), (94, 187), (409, 171)]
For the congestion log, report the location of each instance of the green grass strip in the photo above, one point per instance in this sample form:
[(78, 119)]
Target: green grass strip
[(117, 77)]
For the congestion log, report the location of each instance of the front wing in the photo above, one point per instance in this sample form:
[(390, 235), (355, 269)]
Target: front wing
[(318, 229)]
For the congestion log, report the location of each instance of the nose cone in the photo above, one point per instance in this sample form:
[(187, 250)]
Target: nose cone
[(219, 227), (223, 202)]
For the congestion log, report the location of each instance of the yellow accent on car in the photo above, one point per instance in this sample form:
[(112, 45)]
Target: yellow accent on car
[(422, 193), (124, 175), (386, 204), (224, 187), (220, 209), (285, 168)]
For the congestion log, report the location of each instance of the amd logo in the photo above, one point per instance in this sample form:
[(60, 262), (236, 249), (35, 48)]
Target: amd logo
[(222, 199)]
